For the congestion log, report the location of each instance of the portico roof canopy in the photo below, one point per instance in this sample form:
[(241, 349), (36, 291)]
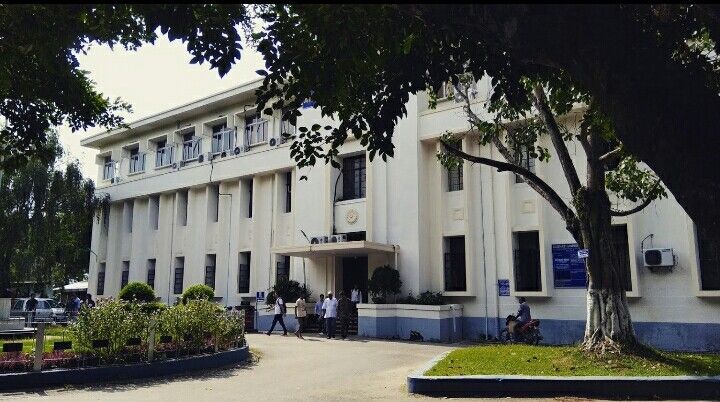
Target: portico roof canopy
[(342, 249)]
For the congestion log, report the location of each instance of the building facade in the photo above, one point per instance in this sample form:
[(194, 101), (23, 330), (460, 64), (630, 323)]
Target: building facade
[(207, 193)]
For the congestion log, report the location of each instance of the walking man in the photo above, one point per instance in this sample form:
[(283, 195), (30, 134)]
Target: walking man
[(345, 309), (300, 315), (280, 310), (330, 308), (319, 313)]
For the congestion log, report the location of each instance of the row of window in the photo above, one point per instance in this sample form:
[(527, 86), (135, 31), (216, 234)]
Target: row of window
[(213, 206), (354, 187), (527, 269), (223, 139), (179, 272)]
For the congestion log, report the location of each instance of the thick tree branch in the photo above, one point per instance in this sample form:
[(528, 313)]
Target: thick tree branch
[(533, 181), (546, 115)]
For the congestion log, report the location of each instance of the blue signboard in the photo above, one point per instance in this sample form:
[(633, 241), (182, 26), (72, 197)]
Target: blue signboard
[(568, 267), (260, 297), (504, 287)]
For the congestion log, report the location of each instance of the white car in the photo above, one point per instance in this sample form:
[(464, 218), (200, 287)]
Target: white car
[(46, 309)]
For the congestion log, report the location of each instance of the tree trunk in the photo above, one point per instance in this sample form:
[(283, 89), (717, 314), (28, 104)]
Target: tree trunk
[(608, 326)]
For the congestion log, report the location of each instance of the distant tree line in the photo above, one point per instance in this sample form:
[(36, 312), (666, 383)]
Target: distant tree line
[(46, 214)]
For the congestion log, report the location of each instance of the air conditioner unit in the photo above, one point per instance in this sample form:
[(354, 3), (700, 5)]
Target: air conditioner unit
[(318, 239), (274, 142), (338, 238), (237, 150), (658, 257)]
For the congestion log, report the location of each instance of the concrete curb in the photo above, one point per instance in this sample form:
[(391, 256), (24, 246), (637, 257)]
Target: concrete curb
[(89, 375), (520, 386)]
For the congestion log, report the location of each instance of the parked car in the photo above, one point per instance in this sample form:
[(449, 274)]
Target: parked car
[(46, 310)]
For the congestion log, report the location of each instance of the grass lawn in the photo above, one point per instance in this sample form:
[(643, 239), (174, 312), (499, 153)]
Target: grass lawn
[(570, 361), (52, 334)]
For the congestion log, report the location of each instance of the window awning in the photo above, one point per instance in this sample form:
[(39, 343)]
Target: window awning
[(342, 249)]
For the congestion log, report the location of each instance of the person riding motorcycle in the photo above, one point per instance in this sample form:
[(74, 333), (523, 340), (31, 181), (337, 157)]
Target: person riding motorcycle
[(522, 317)]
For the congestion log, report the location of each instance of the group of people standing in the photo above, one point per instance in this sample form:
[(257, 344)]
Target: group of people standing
[(328, 311)]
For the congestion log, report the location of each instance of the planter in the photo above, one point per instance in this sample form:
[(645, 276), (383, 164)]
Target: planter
[(396, 321), (103, 374)]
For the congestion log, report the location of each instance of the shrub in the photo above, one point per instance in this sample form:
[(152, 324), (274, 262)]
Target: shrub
[(137, 292), (198, 292), (385, 281), (191, 322), (194, 324), (114, 320), (153, 307), (289, 289), (426, 298)]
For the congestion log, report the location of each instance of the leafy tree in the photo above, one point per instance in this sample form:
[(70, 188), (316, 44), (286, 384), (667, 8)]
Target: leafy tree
[(137, 292), (515, 131), (385, 281), (45, 222), (651, 70), (42, 85)]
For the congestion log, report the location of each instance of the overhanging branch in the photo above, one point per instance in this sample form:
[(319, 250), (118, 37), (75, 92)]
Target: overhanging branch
[(539, 185)]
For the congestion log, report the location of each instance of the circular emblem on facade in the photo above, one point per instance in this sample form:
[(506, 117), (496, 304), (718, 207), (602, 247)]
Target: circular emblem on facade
[(351, 216)]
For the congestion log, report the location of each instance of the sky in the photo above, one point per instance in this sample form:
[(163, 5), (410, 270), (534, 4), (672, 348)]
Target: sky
[(152, 79)]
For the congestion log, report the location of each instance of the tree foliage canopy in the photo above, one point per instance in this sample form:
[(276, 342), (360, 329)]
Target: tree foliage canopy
[(650, 70)]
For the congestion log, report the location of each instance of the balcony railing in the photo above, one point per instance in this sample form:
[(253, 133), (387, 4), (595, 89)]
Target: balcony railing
[(108, 170), (223, 140), (164, 156), (256, 132), (137, 163), (191, 149)]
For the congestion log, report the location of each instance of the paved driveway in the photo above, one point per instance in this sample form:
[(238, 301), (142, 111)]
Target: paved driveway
[(287, 369), (315, 369)]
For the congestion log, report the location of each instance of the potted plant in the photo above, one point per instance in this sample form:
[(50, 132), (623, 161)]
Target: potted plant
[(385, 281)]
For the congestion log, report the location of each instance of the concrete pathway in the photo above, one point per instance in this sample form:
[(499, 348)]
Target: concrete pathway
[(286, 369)]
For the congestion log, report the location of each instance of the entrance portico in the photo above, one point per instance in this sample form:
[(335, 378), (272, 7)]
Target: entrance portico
[(345, 263)]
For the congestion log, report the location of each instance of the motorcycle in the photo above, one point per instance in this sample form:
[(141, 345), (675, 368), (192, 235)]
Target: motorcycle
[(529, 333)]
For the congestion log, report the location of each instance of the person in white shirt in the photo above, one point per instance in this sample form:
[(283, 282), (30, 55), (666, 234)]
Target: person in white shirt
[(279, 313), (330, 308), (355, 296)]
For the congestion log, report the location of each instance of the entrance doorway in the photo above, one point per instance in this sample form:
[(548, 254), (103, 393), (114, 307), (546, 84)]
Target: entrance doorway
[(355, 272)]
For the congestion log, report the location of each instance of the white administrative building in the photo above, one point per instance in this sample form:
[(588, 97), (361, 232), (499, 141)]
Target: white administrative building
[(206, 192)]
